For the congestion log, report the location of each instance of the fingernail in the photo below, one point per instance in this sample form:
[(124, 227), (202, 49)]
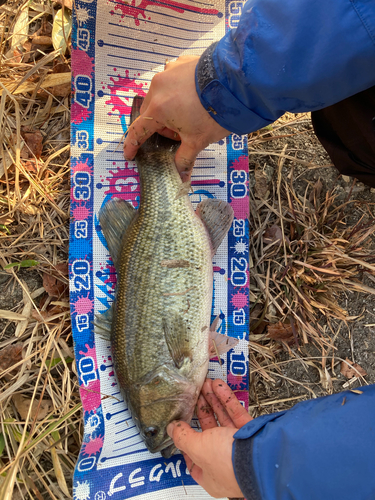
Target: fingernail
[(170, 429)]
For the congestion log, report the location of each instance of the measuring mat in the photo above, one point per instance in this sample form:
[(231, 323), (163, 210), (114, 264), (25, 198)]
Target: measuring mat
[(117, 47)]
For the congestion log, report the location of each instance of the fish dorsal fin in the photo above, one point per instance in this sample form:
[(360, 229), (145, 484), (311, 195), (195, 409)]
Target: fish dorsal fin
[(217, 216), (115, 218), (219, 343), (177, 338)]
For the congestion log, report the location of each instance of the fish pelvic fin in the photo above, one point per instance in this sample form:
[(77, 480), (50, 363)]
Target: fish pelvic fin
[(177, 338), (115, 218), (217, 216), (156, 142), (103, 323), (219, 343)]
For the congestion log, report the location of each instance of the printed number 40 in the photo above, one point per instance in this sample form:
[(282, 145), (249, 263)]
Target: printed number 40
[(83, 95)]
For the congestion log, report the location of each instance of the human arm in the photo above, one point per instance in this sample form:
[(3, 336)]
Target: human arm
[(283, 56), (323, 448)]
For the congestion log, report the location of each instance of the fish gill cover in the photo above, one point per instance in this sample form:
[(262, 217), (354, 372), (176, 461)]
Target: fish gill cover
[(117, 48)]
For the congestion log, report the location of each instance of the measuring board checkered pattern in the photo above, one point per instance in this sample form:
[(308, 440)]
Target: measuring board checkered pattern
[(117, 47)]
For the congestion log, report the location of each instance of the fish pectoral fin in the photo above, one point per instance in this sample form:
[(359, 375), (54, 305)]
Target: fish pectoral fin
[(115, 218), (217, 216), (177, 338), (103, 323), (220, 344)]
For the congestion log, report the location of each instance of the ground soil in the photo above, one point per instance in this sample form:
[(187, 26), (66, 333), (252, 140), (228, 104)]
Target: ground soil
[(356, 340)]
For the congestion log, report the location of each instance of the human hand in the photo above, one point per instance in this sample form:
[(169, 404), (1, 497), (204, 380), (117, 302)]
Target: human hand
[(208, 454), (173, 109)]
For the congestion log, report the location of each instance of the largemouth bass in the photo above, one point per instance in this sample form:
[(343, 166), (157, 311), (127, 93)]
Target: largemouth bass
[(160, 320)]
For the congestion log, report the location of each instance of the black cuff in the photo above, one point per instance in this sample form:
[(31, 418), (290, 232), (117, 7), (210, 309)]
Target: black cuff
[(205, 68), (244, 469)]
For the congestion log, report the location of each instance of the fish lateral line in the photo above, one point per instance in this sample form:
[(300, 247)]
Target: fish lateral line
[(179, 293)]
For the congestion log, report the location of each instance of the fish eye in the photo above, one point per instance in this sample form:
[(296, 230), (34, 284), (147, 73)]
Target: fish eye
[(151, 432)]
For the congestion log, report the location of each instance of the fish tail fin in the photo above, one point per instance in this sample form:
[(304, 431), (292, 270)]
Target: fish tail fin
[(156, 141)]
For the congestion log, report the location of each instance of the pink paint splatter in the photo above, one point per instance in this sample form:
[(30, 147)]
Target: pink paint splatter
[(130, 9), (244, 397), (235, 381), (93, 446), (81, 212), (124, 183), (78, 114), (111, 374), (123, 84), (90, 352), (240, 207), (83, 305), (82, 63), (241, 163), (81, 167), (239, 300), (90, 396)]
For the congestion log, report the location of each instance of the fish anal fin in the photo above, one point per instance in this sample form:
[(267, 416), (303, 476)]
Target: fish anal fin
[(115, 218), (177, 338), (217, 216)]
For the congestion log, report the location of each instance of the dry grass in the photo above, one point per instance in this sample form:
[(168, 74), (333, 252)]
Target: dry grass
[(303, 258), (40, 415)]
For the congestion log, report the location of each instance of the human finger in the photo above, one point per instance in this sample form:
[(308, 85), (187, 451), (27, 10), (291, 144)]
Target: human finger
[(171, 134), (205, 414), (139, 131), (185, 158), (186, 439), (216, 405), (233, 407)]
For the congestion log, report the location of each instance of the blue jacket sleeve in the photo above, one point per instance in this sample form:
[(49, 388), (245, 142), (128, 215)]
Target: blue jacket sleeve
[(321, 449), (287, 56)]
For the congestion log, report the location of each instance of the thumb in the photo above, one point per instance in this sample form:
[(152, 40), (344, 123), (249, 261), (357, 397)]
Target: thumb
[(185, 159), (185, 438)]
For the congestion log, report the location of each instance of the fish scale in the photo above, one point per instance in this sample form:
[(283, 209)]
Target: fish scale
[(161, 316)]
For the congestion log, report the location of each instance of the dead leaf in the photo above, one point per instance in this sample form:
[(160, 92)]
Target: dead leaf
[(65, 89), (62, 268), (53, 283), (11, 355), (272, 234), (5, 220), (40, 411), (261, 184), (34, 140), (355, 370), (42, 40), (45, 315), (280, 331)]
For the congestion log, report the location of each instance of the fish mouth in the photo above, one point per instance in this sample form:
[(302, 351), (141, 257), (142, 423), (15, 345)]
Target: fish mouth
[(167, 443)]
